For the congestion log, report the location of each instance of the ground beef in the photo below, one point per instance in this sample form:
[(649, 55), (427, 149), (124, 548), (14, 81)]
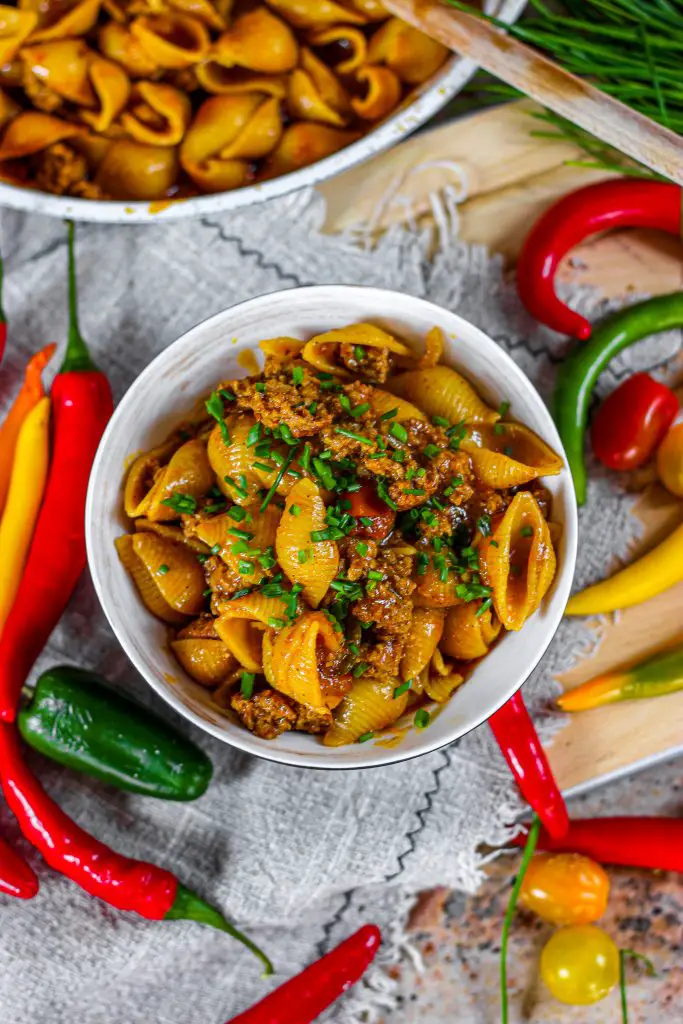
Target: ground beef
[(383, 656), (58, 169), (267, 713), (312, 720), (385, 608), (285, 402), (375, 365)]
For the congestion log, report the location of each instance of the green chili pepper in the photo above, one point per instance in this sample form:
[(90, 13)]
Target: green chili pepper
[(578, 374), (76, 719)]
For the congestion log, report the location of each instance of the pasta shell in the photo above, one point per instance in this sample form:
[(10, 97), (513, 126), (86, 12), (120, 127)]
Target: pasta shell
[(290, 659), (369, 706), (383, 92), (305, 143), (76, 20), (320, 566), (30, 132), (315, 93), (426, 627), (244, 641), (468, 635), (433, 592), (131, 170), (521, 565), (313, 13), (208, 662), (172, 40), (352, 42), (441, 687), (215, 532), (433, 351), (282, 349), (171, 595), (141, 476), (260, 41), (233, 463), (509, 455), (158, 115), (111, 87), (411, 54), (372, 10), (188, 472), (383, 401), (63, 67), (440, 391), (219, 80), (15, 26), (173, 533), (204, 10), (117, 43)]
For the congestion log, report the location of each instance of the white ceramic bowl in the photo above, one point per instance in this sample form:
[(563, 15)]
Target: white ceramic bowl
[(188, 370), (423, 103)]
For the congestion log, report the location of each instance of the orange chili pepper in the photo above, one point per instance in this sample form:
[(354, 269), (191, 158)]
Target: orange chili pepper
[(29, 395)]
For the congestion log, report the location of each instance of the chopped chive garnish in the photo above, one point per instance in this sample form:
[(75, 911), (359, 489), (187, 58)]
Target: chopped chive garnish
[(207, 592), (354, 648), (241, 490), (359, 669), (355, 437), (312, 408), (504, 406), (498, 428), (237, 513), (398, 431), (227, 395), (245, 568), (247, 684), (263, 466), (384, 495), (358, 410), (276, 623), (431, 450), (260, 387), (365, 520), (216, 549), (527, 531), (303, 555), (415, 490), (218, 507), (286, 434), (276, 482), (183, 503), (345, 403), (365, 737), (254, 435), (361, 548), (240, 547), (389, 415), (202, 558), (422, 563), (214, 407), (399, 455), (242, 534), (484, 525), (359, 353), (240, 593), (494, 543), (163, 569), (305, 459), (375, 574), (324, 472), (403, 688), (484, 607), (421, 718), (298, 375), (439, 421), (295, 510)]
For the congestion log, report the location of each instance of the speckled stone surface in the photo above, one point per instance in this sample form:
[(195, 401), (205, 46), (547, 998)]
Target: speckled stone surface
[(458, 937)]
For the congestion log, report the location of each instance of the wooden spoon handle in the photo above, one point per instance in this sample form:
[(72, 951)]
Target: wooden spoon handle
[(536, 76)]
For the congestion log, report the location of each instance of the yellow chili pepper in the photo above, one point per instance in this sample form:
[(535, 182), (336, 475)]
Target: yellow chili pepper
[(670, 460), (648, 576), (27, 484), (652, 678), (31, 392)]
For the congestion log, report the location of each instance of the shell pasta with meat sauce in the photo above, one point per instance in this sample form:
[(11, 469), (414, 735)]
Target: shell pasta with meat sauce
[(336, 540), (161, 99)]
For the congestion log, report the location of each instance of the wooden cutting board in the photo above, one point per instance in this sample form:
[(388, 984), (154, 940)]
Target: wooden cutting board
[(511, 177)]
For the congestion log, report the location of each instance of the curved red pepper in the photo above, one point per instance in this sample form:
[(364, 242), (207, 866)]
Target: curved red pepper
[(632, 421), (303, 998), (81, 406), (609, 204), (655, 843), (367, 504), (16, 877), (521, 747)]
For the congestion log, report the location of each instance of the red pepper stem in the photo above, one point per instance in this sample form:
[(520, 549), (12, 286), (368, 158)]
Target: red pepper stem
[(77, 358), (187, 906)]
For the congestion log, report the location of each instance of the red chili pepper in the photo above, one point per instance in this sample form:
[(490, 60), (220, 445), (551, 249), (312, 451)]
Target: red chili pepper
[(81, 406), (609, 204), (304, 997), (367, 504), (16, 877), (655, 843), (632, 422), (124, 883), (521, 747)]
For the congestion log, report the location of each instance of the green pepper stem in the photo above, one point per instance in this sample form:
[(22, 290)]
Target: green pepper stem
[(77, 358), (187, 906)]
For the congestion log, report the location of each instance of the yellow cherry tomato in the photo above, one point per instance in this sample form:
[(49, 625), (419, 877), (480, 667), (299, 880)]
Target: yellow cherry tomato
[(580, 965), (670, 460), (565, 888)]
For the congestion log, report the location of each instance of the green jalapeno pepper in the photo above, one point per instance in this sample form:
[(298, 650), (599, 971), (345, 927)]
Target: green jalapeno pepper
[(578, 374), (76, 719)]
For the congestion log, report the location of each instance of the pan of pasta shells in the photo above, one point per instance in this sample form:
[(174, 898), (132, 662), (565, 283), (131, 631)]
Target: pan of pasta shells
[(333, 526), (131, 110)]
